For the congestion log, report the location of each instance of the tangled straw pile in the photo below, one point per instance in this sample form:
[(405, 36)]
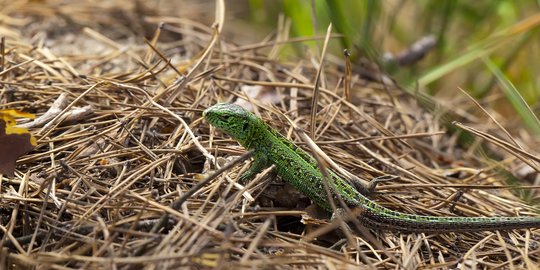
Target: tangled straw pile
[(121, 143)]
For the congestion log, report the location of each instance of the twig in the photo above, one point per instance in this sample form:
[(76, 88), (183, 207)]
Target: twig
[(178, 202), (73, 115)]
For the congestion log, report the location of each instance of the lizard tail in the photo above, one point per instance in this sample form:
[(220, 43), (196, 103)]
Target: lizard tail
[(387, 219)]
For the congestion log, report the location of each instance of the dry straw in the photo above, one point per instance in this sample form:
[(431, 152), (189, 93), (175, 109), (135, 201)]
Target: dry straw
[(115, 179)]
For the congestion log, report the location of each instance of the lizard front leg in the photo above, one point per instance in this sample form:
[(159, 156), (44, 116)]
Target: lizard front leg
[(260, 162)]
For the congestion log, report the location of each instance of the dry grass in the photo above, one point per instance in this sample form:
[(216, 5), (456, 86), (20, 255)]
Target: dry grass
[(95, 190)]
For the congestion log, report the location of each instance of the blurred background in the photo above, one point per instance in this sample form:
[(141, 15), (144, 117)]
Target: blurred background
[(490, 49)]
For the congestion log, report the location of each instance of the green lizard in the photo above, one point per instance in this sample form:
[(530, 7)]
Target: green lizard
[(300, 169)]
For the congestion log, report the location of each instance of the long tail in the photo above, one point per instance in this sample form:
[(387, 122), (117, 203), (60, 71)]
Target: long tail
[(378, 217)]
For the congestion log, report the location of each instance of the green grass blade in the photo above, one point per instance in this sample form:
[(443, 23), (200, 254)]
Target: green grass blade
[(515, 98)]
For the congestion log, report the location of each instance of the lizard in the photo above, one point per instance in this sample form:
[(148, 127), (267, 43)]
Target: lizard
[(295, 166)]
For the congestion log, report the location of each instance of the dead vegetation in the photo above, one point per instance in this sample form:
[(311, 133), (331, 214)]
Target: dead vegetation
[(115, 179)]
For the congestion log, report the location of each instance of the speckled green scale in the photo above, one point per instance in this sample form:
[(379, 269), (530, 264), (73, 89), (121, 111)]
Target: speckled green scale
[(297, 167)]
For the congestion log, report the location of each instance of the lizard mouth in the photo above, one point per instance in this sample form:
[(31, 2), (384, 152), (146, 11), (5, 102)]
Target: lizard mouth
[(205, 112), (207, 115), (211, 118)]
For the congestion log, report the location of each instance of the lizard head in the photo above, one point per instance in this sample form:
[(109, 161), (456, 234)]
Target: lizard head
[(232, 120)]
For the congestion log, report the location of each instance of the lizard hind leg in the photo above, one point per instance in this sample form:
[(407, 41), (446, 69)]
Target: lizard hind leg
[(371, 188), (349, 224), (340, 216)]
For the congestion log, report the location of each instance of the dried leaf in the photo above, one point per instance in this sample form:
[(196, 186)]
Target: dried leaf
[(14, 141)]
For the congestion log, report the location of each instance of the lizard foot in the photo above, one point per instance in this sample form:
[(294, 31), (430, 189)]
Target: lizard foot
[(371, 188)]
